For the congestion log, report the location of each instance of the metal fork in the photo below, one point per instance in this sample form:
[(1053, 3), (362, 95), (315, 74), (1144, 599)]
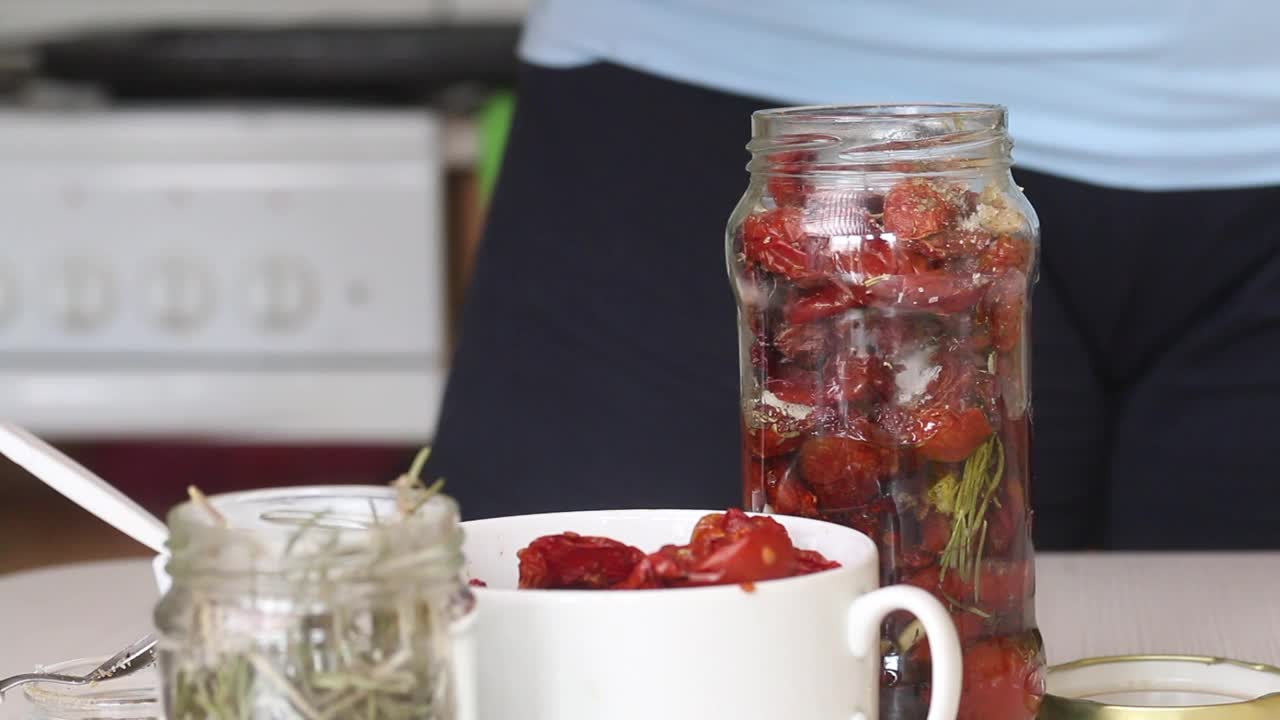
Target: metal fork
[(138, 655)]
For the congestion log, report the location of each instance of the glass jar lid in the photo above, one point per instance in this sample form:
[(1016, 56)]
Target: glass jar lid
[(133, 697), (1161, 687)]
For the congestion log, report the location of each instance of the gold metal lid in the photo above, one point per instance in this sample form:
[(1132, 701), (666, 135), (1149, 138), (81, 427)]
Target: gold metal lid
[(1162, 687)]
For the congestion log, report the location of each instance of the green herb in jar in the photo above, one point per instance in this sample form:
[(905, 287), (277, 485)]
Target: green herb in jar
[(345, 615), (969, 501)]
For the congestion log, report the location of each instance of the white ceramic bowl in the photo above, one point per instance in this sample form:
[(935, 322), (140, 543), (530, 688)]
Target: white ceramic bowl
[(805, 648)]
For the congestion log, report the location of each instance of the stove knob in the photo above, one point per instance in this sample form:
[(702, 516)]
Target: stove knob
[(281, 294), (82, 295), (177, 295)]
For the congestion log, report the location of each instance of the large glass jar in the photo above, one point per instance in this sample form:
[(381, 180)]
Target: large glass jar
[(882, 258), (316, 604)]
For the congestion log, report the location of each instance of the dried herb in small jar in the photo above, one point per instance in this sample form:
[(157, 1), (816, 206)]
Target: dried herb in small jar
[(316, 603)]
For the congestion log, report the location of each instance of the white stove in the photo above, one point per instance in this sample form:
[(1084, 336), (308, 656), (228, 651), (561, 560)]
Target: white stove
[(250, 274), (40, 18)]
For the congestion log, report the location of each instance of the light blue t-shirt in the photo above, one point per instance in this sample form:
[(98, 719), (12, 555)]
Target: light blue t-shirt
[(1145, 94)]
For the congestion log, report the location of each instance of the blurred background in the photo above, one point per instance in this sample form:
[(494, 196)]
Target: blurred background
[(233, 238)]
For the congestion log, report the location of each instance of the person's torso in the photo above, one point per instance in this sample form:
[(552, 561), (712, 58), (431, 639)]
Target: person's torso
[(1149, 95)]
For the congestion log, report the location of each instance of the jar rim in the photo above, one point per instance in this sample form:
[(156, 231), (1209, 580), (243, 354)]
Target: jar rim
[(1252, 690), (357, 532), (881, 111), (888, 141)]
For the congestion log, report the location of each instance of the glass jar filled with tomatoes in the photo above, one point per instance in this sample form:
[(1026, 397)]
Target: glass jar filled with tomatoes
[(883, 260)]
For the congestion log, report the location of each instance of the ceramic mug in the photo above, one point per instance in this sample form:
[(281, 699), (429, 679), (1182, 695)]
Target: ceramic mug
[(806, 648)]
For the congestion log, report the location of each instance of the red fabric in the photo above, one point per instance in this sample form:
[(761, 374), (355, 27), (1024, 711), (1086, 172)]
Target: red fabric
[(156, 474)]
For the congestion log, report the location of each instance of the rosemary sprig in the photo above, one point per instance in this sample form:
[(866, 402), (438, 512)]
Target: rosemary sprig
[(308, 525), (979, 481), (200, 500), (411, 492), (967, 608)]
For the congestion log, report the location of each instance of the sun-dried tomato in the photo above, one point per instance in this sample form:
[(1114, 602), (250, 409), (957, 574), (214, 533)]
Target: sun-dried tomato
[(787, 184), (796, 386), (854, 378), (867, 519), (1009, 519), (953, 244), (998, 587), (760, 353), (792, 497), (1006, 252), (929, 579), (873, 256), (923, 539), (843, 472), (809, 562), (985, 393), (934, 291), (898, 335), (776, 241), (969, 626), (951, 435), (1003, 680), (767, 442), (715, 529), (902, 424), (787, 410), (669, 565), (804, 344), (831, 298), (573, 561), (750, 550), (1003, 308), (857, 425), (732, 547), (881, 257), (917, 208), (954, 385), (724, 549), (643, 577)]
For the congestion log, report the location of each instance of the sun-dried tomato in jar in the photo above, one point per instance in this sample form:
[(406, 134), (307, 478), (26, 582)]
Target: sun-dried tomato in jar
[(883, 259)]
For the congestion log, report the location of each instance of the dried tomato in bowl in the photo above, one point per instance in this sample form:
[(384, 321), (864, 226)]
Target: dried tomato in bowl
[(570, 560), (724, 549)]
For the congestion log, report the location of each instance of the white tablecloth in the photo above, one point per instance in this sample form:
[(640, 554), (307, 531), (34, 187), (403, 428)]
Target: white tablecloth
[(1088, 605)]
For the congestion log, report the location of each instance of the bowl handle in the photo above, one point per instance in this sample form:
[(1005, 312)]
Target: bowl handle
[(868, 612)]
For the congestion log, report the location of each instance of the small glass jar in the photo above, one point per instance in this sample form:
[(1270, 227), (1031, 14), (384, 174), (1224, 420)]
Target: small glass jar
[(316, 603), (133, 697), (883, 258)]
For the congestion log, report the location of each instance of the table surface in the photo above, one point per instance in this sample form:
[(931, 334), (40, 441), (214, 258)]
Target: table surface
[(1088, 605)]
